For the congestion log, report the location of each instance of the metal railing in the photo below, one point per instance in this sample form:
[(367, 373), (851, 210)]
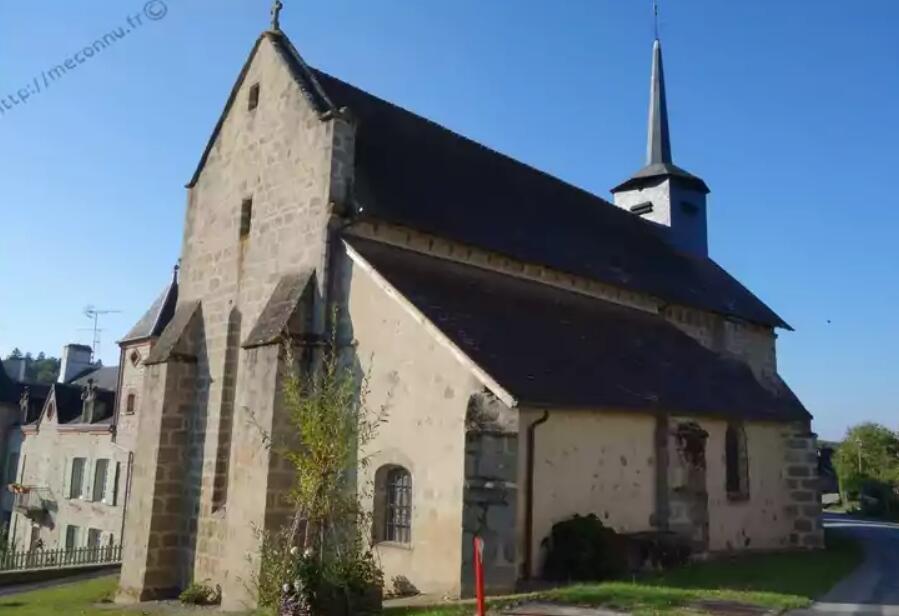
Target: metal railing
[(61, 558)]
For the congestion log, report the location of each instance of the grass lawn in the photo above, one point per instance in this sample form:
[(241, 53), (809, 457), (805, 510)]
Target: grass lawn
[(77, 599), (776, 581)]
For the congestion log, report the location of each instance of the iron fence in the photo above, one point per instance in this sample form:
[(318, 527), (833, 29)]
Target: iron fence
[(60, 558)]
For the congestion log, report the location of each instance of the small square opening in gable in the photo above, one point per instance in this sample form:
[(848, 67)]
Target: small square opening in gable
[(253, 100)]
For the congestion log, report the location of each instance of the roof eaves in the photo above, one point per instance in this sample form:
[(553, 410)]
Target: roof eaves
[(659, 171)]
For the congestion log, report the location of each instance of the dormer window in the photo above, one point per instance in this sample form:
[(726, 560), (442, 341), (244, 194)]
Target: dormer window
[(642, 208)]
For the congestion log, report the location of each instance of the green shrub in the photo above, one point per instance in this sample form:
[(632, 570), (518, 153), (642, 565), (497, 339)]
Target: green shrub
[(201, 594), (583, 549)]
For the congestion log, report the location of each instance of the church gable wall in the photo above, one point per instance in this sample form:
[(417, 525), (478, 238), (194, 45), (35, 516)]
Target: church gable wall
[(259, 209), (425, 389)]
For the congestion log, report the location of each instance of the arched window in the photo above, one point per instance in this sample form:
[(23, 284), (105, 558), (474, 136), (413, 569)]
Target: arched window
[(393, 505), (129, 403), (736, 460)]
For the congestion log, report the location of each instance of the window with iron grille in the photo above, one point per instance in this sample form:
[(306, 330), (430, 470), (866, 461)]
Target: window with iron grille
[(398, 518)]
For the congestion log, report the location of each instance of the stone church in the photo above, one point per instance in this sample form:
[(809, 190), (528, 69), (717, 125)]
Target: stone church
[(542, 352)]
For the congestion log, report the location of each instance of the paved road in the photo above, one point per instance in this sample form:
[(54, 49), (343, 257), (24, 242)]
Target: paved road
[(873, 588)]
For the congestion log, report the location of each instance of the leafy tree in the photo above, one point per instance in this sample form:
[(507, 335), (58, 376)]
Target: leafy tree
[(324, 545), (868, 459), (41, 369)]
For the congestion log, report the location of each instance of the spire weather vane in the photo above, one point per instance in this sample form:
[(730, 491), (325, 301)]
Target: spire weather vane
[(276, 15), (655, 18)]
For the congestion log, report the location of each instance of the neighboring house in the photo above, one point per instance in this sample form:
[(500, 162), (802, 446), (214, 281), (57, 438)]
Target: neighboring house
[(20, 402), (74, 451), (541, 352)]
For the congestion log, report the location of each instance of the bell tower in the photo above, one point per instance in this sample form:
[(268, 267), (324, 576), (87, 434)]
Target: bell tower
[(661, 191)]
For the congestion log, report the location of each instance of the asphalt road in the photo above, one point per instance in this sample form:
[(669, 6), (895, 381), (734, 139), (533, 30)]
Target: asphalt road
[(873, 588)]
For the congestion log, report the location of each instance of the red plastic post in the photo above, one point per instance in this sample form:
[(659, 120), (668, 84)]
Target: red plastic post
[(479, 574)]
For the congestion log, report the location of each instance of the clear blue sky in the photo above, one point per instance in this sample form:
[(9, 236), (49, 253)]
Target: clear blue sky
[(788, 109)]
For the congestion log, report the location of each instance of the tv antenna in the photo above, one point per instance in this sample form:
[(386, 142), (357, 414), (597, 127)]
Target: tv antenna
[(92, 312)]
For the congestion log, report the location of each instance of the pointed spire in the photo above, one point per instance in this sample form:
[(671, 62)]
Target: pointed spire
[(658, 143)]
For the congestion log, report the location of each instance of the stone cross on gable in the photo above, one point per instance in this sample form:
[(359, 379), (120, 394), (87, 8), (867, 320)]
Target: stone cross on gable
[(276, 15)]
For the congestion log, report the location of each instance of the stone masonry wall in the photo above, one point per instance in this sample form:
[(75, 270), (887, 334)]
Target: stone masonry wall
[(490, 498), (131, 374), (159, 528), (278, 155), (688, 499), (257, 483), (803, 483)]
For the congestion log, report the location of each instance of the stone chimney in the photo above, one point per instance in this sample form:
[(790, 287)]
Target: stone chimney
[(76, 358), (15, 369)]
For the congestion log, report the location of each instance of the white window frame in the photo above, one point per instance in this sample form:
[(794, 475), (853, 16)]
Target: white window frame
[(94, 533), (99, 487), (75, 532), (77, 491)]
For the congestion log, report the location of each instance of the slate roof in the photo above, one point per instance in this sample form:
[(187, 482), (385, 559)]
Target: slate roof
[(166, 347), (278, 310), (7, 387), (11, 393), (69, 405), (157, 316), (104, 377), (413, 172), (659, 171), (37, 394), (550, 347)]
